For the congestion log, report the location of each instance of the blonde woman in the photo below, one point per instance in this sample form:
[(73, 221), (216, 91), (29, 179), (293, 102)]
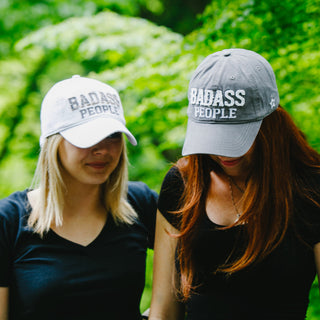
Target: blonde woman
[(74, 246)]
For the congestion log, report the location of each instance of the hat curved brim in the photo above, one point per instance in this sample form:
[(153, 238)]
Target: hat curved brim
[(92, 132), (228, 140)]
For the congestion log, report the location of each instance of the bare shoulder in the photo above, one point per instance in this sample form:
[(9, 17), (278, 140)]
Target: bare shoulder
[(317, 258), (4, 302), (317, 251)]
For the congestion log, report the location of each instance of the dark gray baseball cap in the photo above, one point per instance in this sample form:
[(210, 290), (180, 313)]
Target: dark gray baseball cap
[(230, 93)]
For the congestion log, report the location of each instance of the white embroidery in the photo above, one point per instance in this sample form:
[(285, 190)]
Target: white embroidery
[(217, 98), (273, 103)]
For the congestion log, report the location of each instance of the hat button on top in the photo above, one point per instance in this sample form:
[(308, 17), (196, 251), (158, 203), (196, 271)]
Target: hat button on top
[(227, 53), (76, 76)]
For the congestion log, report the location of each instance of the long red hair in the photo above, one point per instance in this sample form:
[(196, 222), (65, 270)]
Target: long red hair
[(283, 165)]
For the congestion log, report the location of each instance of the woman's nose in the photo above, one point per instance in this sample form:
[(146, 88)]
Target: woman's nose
[(101, 147), (223, 158)]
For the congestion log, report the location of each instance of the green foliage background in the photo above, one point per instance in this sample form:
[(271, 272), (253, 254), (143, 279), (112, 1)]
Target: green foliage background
[(147, 50)]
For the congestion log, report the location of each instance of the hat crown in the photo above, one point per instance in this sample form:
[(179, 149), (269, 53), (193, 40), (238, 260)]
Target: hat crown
[(75, 101), (232, 86)]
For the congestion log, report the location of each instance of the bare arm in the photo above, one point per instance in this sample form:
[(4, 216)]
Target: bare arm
[(317, 259), (4, 303), (164, 303)]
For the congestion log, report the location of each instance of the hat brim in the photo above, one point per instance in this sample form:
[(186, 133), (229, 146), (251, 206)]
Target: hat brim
[(92, 132), (228, 140)]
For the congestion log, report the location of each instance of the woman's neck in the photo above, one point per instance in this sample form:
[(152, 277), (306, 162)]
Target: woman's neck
[(82, 199), (239, 181)]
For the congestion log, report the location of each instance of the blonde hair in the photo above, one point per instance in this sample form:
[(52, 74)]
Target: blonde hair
[(48, 207)]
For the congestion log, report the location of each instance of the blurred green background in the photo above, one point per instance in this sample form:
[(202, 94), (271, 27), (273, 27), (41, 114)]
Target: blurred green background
[(147, 50)]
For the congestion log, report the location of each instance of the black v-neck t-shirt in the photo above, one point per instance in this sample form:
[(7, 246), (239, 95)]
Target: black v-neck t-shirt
[(54, 278), (277, 288)]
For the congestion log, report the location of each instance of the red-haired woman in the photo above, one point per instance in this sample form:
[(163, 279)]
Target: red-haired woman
[(238, 227)]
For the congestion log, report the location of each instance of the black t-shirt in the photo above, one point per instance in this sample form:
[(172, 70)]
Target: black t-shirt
[(276, 288), (54, 278)]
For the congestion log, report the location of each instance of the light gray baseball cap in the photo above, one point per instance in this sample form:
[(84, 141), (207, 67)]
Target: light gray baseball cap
[(84, 111), (230, 93)]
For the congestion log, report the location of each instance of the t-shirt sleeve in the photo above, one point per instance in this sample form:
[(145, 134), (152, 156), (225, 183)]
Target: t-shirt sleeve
[(144, 201), (170, 195), (9, 224)]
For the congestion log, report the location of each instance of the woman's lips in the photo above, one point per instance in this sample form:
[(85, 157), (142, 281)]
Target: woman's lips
[(230, 163), (96, 165)]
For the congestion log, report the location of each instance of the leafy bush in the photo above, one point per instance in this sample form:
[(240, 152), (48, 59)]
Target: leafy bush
[(150, 66)]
